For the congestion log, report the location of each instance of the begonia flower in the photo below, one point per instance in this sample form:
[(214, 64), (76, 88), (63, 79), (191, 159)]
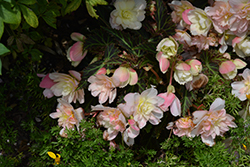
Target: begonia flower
[(182, 73), (131, 132), (112, 119), (182, 127), (203, 42), (68, 116), (226, 39), (64, 85), (242, 48), (241, 89), (229, 68), (128, 14), (183, 37), (103, 86), (46, 83), (178, 8), (195, 65), (200, 23), (220, 14), (75, 53), (143, 107), (166, 48), (212, 123), (126, 76), (170, 100)]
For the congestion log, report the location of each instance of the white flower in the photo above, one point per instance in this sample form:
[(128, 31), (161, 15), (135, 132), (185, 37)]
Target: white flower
[(128, 14), (200, 23), (241, 89), (143, 107), (182, 73), (168, 47), (242, 48)]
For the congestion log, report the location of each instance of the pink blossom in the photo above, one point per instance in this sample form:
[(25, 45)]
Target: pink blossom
[(126, 76), (64, 85), (241, 89), (46, 83), (195, 65), (172, 101), (183, 37), (178, 8), (212, 123), (163, 62), (220, 14), (143, 107), (203, 42), (229, 68), (68, 116), (112, 119), (182, 127), (103, 86), (76, 53), (131, 132)]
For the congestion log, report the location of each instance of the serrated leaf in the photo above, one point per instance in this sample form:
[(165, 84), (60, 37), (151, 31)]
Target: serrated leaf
[(1, 27), (74, 5), (29, 16), (3, 50), (187, 100), (7, 14), (110, 52), (125, 40), (91, 69), (161, 15), (27, 2), (98, 39)]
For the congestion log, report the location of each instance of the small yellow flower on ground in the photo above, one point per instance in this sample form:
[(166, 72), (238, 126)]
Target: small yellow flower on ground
[(57, 158)]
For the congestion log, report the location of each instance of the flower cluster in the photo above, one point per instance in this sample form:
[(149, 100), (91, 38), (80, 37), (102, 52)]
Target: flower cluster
[(208, 124)]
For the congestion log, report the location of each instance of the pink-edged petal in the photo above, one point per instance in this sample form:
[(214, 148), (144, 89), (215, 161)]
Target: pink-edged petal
[(183, 66), (77, 36), (168, 100), (76, 52), (55, 115), (239, 63), (236, 40), (122, 73), (217, 105), (76, 74), (246, 73), (129, 141), (175, 107), (198, 115), (164, 64), (46, 82), (227, 67), (208, 140), (185, 16), (48, 93), (101, 71), (133, 77)]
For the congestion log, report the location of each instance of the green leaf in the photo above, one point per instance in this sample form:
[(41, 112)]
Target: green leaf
[(1, 27), (3, 50), (91, 3), (98, 39), (128, 42), (162, 17), (74, 5), (19, 18), (187, 100), (7, 14), (91, 69), (29, 16), (27, 2), (50, 18)]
